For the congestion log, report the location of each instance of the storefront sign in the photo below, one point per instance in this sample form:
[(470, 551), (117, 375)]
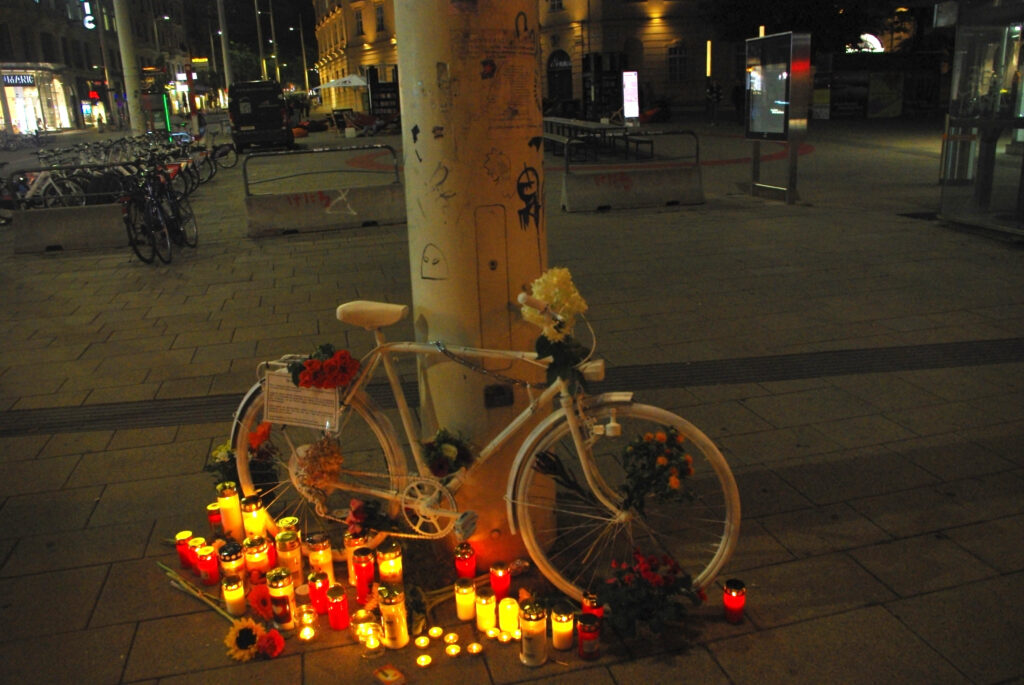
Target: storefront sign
[(19, 79), (88, 21)]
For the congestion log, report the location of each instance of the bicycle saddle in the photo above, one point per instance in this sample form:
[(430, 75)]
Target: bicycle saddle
[(371, 315)]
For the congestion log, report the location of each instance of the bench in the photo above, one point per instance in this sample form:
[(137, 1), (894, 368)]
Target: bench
[(559, 145), (636, 142)]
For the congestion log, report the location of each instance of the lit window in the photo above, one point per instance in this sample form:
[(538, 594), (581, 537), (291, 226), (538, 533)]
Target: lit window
[(555, 5), (359, 23), (381, 26)]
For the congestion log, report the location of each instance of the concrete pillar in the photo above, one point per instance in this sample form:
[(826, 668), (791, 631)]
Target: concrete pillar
[(132, 86), (469, 80)]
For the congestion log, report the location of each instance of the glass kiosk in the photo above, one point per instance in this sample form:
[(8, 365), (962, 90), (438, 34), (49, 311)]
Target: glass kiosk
[(981, 172)]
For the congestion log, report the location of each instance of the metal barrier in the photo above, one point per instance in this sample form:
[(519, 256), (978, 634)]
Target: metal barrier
[(97, 223), (317, 208), (666, 181)]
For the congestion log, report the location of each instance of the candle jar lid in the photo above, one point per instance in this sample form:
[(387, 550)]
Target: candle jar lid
[(336, 593), (279, 577), (318, 542), (183, 536), (499, 567), (252, 503), (464, 586), (287, 540), (213, 507), (588, 622), (735, 586), (230, 551), (485, 594), (231, 582), (197, 542), (227, 488), (562, 612), (389, 550), (532, 611), (363, 555), (464, 550), (317, 577), (391, 593), (353, 539), (206, 551), (288, 523), (255, 544)]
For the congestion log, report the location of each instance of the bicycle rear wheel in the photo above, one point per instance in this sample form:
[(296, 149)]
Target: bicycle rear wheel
[(574, 538), (139, 236), (228, 156), (186, 220), (283, 471), (156, 223)]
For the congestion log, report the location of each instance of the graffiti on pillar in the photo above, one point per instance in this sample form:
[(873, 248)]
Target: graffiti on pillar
[(498, 168), (415, 133), (445, 86), (433, 265), (523, 30), (464, 5), (536, 142), (488, 68), (438, 132), (528, 187), (437, 181)]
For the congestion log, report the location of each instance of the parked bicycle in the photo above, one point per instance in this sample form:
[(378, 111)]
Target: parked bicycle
[(579, 491), (156, 216)]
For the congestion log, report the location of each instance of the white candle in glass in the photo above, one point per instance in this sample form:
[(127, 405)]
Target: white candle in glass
[(465, 599)]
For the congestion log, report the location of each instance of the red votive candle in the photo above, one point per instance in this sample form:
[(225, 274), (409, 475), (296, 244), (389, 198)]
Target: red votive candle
[(362, 562), (734, 598), (465, 560), (318, 584), (591, 605), (193, 557), (214, 518), (209, 565), (181, 541), (337, 607), (501, 580)]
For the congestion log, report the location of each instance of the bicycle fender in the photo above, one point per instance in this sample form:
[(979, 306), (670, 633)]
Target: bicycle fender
[(255, 390), (539, 430)]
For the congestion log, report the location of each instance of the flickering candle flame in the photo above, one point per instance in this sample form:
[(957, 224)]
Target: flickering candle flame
[(452, 650), (423, 660), (422, 642), (435, 631), (451, 638), (504, 636), (474, 648)]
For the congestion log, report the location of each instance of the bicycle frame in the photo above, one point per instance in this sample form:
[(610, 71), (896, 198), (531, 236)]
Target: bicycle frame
[(383, 355)]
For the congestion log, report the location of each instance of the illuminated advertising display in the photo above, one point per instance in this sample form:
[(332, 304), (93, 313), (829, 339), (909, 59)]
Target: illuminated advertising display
[(777, 86)]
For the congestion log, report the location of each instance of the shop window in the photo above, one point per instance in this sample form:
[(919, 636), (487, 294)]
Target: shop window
[(676, 63), (6, 47)]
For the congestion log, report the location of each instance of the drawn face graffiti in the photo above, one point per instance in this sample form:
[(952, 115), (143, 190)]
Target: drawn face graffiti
[(433, 265)]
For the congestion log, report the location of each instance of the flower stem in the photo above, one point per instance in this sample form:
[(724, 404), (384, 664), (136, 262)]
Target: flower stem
[(180, 583)]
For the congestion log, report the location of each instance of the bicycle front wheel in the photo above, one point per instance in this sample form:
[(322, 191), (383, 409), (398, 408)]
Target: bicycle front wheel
[(156, 222), (572, 534), (228, 158), (139, 236), (291, 479)]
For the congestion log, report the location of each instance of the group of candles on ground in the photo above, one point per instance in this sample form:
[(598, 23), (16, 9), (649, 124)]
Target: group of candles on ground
[(243, 555)]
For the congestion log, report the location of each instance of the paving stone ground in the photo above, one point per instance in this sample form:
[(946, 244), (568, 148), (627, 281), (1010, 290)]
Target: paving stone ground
[(883, 510)]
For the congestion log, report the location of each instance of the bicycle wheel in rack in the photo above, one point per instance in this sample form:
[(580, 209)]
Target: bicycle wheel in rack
[(139, 236), (207, 168), (228, 156), (186, 220), (156, 223), (573, 537), (284, 468)]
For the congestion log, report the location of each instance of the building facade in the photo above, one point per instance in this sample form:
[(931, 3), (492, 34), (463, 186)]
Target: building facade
[(585, 47), (358, 37), (61, 60)]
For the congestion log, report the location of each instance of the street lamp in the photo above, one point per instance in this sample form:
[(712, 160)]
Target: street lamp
[(302, 42), (259, 38), (273, 37)]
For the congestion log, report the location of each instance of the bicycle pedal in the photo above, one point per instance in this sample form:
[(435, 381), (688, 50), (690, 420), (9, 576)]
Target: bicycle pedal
[(465, 525)]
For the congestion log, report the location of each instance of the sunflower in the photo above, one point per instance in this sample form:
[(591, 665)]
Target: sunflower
[(243, 639)]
